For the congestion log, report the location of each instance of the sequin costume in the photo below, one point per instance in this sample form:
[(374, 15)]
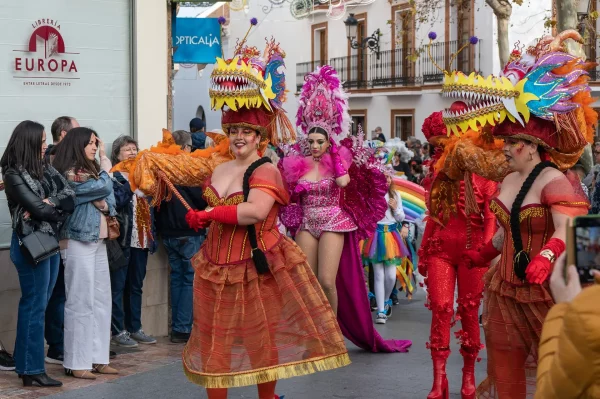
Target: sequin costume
[(324, 206), (515, 310), (321, 208), (440, 260), (542, 97), (249, 327)]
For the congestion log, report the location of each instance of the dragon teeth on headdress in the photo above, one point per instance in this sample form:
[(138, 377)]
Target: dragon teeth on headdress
[(529, 84)]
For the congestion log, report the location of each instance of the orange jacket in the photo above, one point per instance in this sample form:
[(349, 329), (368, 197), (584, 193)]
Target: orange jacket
[(569, 354)]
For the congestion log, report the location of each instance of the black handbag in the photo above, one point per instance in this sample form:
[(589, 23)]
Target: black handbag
[(38, 246), (116, 257)]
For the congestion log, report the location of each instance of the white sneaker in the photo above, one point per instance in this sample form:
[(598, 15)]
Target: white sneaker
[(381, 318)]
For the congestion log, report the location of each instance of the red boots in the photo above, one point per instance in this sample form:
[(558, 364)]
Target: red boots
[(439, 390), (468, 380)]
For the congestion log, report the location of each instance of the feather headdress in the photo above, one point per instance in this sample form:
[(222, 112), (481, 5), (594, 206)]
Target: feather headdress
[(324, 103)]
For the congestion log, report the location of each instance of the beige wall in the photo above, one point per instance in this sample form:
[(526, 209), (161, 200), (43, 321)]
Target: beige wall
[(150, 70), (150, 116)]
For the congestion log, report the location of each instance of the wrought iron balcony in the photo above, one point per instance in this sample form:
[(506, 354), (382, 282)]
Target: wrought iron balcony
[(402, 67), (303, 69)]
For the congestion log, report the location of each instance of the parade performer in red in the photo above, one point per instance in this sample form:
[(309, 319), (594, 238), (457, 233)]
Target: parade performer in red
[(260, 314), (451, 227), (540, 108)]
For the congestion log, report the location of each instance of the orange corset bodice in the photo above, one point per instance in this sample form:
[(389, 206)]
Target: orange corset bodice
[(227, 243), (537, 227)]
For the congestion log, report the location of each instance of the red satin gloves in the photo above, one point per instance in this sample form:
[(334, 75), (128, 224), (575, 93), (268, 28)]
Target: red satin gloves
[(482, 257), (201, 219), (539, 268)]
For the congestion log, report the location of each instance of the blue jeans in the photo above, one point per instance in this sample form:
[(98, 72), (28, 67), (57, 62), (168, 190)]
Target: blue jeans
[(180, 251), (55, 316), (126, 286), (36, 283)]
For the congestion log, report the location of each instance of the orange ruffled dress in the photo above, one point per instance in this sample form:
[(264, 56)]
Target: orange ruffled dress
[(514, 310), (250, 328)]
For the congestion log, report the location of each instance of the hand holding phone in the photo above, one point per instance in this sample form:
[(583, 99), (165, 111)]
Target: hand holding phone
[(584, 246), (564, 289)]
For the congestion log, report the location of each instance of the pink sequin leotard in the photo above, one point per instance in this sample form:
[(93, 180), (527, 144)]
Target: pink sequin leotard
[(321, 207)]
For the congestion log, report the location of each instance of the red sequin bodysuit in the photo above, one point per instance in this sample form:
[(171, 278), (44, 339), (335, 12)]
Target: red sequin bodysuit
[(441, 262)]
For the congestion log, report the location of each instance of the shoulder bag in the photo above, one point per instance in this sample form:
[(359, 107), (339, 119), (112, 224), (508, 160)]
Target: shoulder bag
[(38, 246)]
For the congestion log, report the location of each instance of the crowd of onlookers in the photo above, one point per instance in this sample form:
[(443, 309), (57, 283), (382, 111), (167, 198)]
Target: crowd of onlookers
[(80, 244), (410, 157)]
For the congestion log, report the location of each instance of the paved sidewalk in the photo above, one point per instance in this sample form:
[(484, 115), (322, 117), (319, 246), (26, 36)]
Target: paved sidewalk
[(128, 362), (156, 371)]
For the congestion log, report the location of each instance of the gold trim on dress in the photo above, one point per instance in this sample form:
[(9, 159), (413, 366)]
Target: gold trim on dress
[(244, 245), (276, 189), (213, 198), (579, 203), (499, 212), (266, 374), (230, 246), (531, 212)]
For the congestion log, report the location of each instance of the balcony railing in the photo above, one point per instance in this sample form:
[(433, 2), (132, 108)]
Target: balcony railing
[(302, 70), (402, 67)]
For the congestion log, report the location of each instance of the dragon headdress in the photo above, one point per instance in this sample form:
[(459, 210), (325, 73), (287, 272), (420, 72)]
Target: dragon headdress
[(251, 90), (542, 95)]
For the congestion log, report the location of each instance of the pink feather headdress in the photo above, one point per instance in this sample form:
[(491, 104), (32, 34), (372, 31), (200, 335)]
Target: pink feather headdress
[(323, 103)]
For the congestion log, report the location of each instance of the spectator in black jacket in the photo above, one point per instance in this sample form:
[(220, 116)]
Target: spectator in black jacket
[(182, 243), (59, 129), (39, 200)]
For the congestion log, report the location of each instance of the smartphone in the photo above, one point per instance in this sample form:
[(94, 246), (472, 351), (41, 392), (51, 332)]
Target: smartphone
[(584, 243)]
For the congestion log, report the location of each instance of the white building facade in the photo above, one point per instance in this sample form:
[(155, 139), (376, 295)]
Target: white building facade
[(395, 89), (103, 62)]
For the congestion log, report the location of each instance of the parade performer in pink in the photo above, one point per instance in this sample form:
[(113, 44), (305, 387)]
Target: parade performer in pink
[(338, 191)]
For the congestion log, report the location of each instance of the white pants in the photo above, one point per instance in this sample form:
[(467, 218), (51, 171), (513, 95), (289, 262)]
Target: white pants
[(88, 305)]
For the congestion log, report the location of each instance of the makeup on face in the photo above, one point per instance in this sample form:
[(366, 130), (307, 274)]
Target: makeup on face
[(243, 140), (318, 144)]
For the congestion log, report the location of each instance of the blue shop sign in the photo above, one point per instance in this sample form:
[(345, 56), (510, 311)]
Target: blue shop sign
[(196, 40)]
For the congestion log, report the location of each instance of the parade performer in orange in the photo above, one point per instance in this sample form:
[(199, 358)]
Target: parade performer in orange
[(540, 108), (451, 228), (259, 312)]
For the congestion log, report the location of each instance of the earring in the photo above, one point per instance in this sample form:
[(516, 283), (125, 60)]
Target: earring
[(231, 153)]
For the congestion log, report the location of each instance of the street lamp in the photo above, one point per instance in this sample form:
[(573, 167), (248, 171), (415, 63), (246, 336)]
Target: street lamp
[(371, 42)]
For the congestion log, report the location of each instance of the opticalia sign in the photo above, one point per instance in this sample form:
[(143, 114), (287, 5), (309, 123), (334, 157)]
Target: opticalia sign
[(45, 57)]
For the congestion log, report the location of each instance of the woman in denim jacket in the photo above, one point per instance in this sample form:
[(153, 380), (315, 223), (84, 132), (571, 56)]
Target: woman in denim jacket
[(87, 278), (39, 199)]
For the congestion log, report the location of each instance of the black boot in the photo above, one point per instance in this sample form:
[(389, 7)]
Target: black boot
[(40, 379)]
